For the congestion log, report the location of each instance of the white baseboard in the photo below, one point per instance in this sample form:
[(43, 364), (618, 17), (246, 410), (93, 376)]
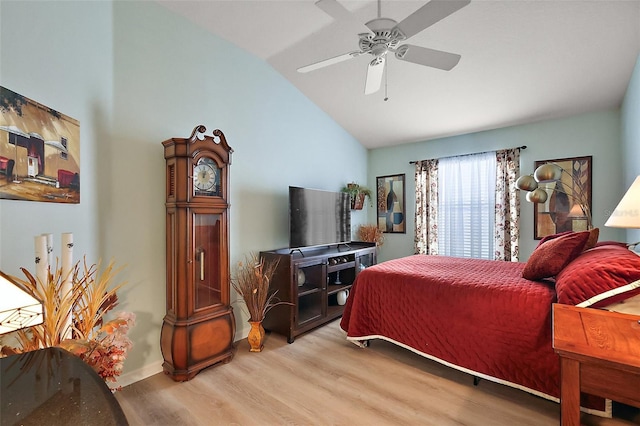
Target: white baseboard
[(139, 374)]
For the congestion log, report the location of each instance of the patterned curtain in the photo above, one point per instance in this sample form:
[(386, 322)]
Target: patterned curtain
[(426, 233), (507, 227)]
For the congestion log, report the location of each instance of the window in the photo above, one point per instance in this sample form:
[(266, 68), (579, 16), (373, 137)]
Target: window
[(466, 202), (469, 205)]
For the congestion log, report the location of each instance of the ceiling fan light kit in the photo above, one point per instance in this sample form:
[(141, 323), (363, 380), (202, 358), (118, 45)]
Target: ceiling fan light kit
[(385, 34), (374, 75)]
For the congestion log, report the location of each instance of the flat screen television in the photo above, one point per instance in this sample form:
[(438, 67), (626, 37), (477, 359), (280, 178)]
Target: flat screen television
[(318, 217)]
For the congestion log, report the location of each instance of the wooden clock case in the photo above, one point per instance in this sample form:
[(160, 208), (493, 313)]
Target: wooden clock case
[(199, 327)]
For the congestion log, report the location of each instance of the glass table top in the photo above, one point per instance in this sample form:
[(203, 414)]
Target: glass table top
[(52, 387)]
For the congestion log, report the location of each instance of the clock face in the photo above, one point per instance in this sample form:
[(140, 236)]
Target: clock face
[(205, 177)]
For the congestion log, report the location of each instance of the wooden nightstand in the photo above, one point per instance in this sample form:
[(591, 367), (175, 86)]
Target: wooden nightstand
[(599, 354)]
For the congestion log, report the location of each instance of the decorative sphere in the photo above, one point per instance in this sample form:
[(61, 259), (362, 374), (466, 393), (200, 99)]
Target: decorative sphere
[(526, 183), (537, 196), (548, 172)]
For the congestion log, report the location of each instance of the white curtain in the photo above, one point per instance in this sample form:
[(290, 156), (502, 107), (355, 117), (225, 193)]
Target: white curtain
[(466, 200)]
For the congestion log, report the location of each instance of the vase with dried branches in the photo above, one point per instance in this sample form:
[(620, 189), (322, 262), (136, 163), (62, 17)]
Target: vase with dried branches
[(101, 344), (252, 281), (371, 234)]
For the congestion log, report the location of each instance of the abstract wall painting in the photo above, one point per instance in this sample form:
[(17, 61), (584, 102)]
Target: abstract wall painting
[(562, 210), (390, 194)]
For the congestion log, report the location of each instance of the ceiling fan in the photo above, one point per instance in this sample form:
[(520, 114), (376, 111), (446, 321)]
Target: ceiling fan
[(382, 35)]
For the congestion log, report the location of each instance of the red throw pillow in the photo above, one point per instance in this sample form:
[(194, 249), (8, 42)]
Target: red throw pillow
[(593, 238), (548, 259), (601, 276), (591, 242), (553, 237)]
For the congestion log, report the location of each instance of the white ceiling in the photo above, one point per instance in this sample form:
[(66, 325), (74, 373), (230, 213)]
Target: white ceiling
[(522, 61)]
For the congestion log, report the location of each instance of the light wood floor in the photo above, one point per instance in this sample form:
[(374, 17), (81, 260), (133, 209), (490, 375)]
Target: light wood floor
[(322, 379)]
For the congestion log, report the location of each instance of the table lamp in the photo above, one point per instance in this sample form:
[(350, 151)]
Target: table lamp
[(18, 308), (627, 212)]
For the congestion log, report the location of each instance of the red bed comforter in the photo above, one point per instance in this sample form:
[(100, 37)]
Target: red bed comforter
[(479, 316)]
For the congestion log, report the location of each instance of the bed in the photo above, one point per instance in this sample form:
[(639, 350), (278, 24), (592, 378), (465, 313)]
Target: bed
[(484, 317)]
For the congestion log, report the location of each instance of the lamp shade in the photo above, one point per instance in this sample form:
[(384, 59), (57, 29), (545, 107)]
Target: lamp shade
[(537, 196), (627, 212), (548, 172), (526, 183), (18, 309)]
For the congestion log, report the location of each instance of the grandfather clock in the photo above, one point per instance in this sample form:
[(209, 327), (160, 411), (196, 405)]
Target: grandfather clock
[(199, 327)]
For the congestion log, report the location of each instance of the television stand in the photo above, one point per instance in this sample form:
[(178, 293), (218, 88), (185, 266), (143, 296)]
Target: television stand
[(311, 281), (346, 245), (295, 250)]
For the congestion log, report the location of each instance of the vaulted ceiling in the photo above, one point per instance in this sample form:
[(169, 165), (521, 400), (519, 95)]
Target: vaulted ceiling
[(522, 61)]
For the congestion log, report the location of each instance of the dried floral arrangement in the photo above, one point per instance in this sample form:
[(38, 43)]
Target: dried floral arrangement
[(371, 234), (102, 345), (252, 281)]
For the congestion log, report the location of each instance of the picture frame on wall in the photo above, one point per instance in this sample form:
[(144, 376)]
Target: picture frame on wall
[(39, 151), (561, 211), (390, 202)]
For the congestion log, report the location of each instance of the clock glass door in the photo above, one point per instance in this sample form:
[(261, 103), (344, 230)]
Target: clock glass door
[(207, 271)]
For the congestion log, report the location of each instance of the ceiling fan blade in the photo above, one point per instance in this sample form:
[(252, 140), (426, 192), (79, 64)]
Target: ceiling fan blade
[(341, 14), (334, 9), (330, 61), (429, 57), (428, 15), (374, 75)]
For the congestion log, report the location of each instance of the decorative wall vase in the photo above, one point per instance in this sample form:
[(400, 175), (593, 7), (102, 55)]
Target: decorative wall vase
[(357, 202), (358, 195), (256, 336)]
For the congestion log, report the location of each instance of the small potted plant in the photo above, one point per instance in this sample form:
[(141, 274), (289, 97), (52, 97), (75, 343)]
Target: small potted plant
[(252, 281), (358, 194)]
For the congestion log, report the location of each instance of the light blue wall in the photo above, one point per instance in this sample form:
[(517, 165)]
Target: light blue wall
[(63, 63), (631, 138), (596, 134), (134, 75)]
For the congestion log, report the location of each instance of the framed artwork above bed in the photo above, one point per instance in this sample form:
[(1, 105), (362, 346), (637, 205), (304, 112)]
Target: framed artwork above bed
[(561, 212), (390, 203)]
